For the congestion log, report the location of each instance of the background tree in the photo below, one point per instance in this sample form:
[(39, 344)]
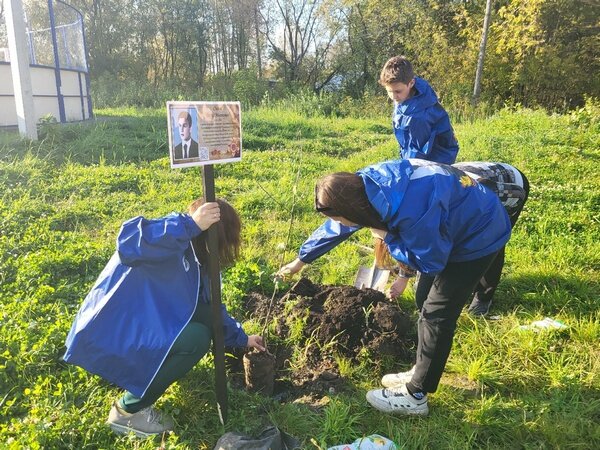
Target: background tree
[(538, 52), (299, 24), (545, 51)]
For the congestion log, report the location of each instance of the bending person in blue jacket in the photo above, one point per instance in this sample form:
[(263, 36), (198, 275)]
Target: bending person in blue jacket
[(434, 219), (421, 125), (512, 188), (147, 320)]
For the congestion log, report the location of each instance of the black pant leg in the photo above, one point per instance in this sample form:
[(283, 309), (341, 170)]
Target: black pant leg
[(437, 321), (484, 291), (423, 285)]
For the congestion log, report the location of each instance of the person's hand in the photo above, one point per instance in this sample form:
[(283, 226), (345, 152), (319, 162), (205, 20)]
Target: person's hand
[(380, 234), (257, 342), (207, 214), (397, 287), (290, 269)]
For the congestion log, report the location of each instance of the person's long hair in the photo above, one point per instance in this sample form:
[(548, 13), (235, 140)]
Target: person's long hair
[(342, 194), (383, 258), (228, 231)]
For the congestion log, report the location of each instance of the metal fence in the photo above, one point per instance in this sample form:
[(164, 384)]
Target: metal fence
[(54, 33), (58, 66)]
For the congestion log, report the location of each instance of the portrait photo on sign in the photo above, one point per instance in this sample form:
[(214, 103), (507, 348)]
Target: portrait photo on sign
[(204, 133)]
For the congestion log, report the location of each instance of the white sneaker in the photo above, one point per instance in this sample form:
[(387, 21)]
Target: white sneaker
[(397, 401), (144, 423), (397, 379)]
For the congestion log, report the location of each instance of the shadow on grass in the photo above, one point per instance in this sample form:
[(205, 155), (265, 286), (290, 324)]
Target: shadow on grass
[(564, 417), (121, 139), (547, 294), (116, 140)]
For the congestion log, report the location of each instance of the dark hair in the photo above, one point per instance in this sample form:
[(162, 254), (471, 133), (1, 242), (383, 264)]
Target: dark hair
[(396, 69), (342, 194), (228, 231)]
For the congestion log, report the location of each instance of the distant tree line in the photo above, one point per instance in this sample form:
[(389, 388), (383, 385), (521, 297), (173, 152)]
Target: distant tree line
[(538, 52)]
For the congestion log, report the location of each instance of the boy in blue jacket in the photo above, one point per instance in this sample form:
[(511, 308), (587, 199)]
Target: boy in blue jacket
[(434, 219), (147, 320), (421, 125)]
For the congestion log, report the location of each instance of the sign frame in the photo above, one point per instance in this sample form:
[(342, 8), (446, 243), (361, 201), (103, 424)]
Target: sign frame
[(214, 131)]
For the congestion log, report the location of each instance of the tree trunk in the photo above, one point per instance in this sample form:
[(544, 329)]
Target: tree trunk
[(484, 37), (258, 50)]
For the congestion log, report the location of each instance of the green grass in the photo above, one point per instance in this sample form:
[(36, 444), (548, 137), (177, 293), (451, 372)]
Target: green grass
[(64, 197)]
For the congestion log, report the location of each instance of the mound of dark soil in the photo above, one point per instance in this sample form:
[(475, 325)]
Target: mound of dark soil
[(324, 321), (349, 319)]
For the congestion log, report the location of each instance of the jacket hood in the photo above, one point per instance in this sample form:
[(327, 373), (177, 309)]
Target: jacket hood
[(424, 98), (385, 184)]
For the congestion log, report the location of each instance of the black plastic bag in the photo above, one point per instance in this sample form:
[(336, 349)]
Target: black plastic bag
[(271, 438)]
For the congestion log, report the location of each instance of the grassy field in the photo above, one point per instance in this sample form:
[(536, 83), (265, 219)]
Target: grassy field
[(64, 198)]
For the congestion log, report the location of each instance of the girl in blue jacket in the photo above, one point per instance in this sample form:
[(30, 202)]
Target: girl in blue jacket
[(434, 219), (147, 320)]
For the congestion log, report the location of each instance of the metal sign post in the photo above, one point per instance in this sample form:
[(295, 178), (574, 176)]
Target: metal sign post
[(214, 272)]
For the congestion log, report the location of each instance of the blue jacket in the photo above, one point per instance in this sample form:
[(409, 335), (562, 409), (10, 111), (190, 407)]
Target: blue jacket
[(422, 127), (434, 214), (140, 303)]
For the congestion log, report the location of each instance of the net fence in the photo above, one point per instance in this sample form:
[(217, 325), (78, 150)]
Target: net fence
[(68, 29)]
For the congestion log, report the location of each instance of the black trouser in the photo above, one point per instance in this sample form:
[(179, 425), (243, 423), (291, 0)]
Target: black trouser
[(440, 300)]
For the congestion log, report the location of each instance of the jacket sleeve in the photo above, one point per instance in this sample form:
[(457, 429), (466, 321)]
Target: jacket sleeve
[(323, 239), (146, 240), (426, 246), (234, 334), (419, 138)]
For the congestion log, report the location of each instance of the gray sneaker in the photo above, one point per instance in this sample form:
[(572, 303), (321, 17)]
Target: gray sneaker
[(397, 379), (479, 308), (144, 423)]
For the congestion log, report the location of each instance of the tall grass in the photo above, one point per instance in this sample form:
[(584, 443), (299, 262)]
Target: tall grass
[(64, 197), (262, 94)]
